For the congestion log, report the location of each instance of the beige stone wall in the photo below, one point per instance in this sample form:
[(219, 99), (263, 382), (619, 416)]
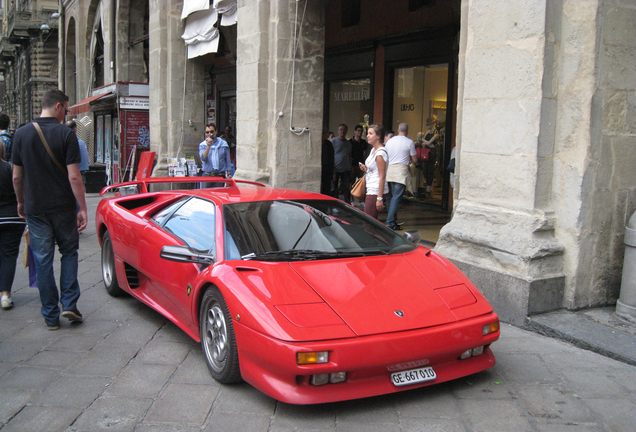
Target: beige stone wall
[(547, 144), (271, 148), (176, 88), (607, 174)]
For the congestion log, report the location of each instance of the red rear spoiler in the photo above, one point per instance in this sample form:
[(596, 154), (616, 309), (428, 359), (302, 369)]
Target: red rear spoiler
[(142, 185)]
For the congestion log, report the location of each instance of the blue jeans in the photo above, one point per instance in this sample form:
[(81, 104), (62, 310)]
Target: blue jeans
[(46, 230), (397, 190)]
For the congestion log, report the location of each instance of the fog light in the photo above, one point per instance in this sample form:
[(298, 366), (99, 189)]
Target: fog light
[(490, 328), (466, 354), (319, 380), (312, 357), (337, 377), (478, 351)]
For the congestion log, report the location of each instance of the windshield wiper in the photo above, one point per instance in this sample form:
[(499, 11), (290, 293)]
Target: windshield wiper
[(308, 254)]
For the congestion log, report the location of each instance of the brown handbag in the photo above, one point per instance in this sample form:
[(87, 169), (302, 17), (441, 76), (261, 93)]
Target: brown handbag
[(359, 189)]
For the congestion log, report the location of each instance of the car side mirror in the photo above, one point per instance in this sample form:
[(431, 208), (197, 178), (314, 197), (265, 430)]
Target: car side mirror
[(413, 236), (185, 255)]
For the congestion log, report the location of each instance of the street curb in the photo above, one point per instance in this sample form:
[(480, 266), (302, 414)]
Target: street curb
[(584, 332)]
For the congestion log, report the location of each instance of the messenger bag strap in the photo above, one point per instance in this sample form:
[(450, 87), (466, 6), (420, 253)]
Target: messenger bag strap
[(48, 149)]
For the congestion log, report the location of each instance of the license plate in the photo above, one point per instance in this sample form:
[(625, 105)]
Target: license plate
[(413, 376)]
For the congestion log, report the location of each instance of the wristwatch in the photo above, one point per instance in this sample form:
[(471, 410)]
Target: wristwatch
[(379, 198)]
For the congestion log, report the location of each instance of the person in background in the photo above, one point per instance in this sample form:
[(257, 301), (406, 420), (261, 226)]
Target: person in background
[(215, 158), (48, 188), (5, 135), (326, 171), (83, 165), (358, 151), (401, 150), (342, 163), (11, 229), (375, 168)]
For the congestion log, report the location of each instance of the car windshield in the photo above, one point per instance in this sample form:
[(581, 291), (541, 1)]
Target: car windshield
[(300, 230)]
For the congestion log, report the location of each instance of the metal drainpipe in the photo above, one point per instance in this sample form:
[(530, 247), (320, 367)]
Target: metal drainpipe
[(626, 305), (61, 34)]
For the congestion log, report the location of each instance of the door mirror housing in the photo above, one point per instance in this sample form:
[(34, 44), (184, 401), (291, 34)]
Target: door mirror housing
[(185, 255)]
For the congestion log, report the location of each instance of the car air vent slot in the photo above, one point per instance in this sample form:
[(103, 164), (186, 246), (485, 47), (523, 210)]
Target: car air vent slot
[(135, 203), (132, 276), (246, 269)]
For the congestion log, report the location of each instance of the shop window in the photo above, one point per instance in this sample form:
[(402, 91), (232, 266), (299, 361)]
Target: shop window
[(350, 13), (415, 5), (349, 103)]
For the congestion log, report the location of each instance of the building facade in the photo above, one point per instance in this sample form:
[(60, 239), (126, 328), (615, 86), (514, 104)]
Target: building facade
[(538, 97), (28, 56)]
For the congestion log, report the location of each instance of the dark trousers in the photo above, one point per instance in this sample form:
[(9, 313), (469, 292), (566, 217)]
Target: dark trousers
[(343, 181), (10, 236)]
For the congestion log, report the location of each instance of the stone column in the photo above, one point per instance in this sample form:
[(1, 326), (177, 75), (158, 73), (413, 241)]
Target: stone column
[(278, 74), (176, 89), (502, 231)]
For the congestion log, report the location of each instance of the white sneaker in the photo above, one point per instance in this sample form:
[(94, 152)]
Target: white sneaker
[(7, 303)]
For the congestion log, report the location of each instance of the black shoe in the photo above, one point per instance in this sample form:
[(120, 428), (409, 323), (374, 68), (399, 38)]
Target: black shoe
[(72, 315), (396, 228), (399, 223), (52, 326)]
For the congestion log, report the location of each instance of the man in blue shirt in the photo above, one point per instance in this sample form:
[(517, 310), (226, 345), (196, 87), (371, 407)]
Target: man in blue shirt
[(215, 156), (83, 165)]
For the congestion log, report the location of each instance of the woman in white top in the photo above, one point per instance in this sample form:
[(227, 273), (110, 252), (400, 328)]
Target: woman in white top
[(375, 167)]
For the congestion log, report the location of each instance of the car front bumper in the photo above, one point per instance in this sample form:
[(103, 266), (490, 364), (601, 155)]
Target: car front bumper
[(270, 364)]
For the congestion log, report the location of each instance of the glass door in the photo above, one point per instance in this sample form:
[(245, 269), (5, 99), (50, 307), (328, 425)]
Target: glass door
[(420, 99)]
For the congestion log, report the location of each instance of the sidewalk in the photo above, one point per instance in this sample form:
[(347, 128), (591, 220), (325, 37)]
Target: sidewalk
[(598, 330), (128, 369)]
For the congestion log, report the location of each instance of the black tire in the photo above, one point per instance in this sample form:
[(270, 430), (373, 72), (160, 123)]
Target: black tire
[(108, 268), (217, 338)]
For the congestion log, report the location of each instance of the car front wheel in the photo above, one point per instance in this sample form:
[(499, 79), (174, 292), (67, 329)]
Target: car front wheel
[(108, 267), (217, 338)]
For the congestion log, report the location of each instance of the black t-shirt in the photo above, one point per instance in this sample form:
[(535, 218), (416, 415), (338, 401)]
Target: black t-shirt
[(46, 188)]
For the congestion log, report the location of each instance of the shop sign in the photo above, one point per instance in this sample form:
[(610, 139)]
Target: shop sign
[(128, 102), (352, 96)]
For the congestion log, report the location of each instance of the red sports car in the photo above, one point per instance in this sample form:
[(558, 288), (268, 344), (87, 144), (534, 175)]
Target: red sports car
[(299, 294)]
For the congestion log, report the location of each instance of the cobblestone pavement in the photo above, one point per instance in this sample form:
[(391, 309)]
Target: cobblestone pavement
[(126, 368)]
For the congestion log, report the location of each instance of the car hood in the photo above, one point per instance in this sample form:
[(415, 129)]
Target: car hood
[(383, 294)]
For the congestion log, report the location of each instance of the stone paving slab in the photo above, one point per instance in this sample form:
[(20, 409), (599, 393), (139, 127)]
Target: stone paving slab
[(126, 368)]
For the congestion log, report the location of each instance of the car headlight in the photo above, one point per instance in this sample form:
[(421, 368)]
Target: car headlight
[(490, 328)]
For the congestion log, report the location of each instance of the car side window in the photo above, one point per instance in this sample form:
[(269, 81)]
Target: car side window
[(162, 215), (194, 224)]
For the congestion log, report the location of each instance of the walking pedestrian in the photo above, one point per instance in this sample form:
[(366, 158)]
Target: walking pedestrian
[(375, 168), (48, 187), (401, 150), (11, 229)]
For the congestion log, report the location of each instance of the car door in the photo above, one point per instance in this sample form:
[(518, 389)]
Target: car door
[(192, 224)]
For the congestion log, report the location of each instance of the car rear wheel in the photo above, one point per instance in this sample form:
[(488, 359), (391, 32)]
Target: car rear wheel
[(108, 267), (217, 338)]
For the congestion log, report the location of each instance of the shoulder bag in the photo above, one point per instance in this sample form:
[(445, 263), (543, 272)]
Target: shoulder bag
[(48, 149), (359, 189)]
